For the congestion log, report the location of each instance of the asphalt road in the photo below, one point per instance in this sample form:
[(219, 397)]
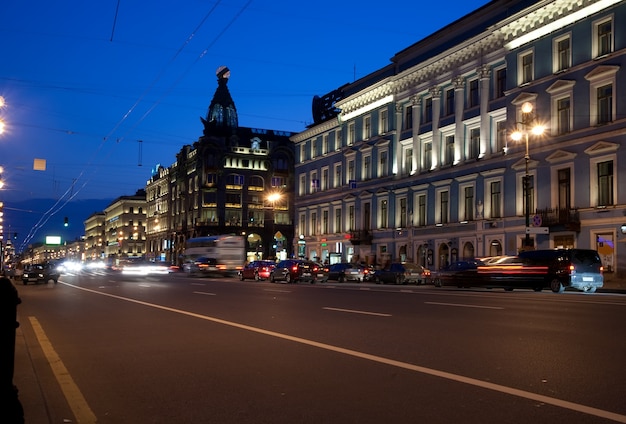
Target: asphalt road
[(176, 349)]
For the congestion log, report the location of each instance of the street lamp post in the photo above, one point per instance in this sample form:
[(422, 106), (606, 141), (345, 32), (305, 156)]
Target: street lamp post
[(273, 198), (528, 122)]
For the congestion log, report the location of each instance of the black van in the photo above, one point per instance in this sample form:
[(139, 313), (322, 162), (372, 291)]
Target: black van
[(577, 268)]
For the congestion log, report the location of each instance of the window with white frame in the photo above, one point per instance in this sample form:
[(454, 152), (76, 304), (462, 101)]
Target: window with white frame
[(408, 117), (383, 163), (420, 217), (449, 106), (466, 209), (472, 93), (604, 109), (338, 221), (401, 220), (338, 181), (383, 121), (325, 221), (325, 146), (303, 229), (315, 182), (351, 218), (384, 213), (448, 151), (494, 207), (367, 167), (428, 110), (351, 134), (605, 183), (562, 53), (605, 187), (351, 171), (602, 99), (526, 68), (313, 223), (303, 152), (563, 115), (325, 178), (367, 127), (338, 139), (314, 148), (302, 185), (473, 149), (407, 155), (500, 82), (501, 134), (427, 155), (443, 206), (602, 37)]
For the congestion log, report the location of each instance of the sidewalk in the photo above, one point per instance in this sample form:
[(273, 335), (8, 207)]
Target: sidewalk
[(29, 390)]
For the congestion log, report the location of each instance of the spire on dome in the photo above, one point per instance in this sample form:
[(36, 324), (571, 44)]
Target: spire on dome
[(222, 113)]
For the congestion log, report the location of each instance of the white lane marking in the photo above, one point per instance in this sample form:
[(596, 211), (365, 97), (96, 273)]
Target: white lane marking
[(379, 359), (205, 293), (353, 311), (462, 305), (277, 291), (75, 399)]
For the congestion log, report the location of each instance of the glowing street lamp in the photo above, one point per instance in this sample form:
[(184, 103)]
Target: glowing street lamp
[(528, 125), (273, 198)]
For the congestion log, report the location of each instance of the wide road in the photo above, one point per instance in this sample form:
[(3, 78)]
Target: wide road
[(180, 349)]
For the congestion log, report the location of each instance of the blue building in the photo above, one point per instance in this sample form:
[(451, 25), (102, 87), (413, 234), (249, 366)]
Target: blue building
[(501, 132)]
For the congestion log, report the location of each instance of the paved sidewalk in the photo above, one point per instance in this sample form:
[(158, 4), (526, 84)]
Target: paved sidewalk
[(29, 390)]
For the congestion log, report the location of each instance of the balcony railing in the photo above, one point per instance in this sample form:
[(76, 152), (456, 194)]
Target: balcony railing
[(360, 237), (568, 218)]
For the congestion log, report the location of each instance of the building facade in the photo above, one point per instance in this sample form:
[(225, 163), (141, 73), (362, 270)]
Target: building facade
[(94, 240), (125, 227), (417, 161), (232, 180)]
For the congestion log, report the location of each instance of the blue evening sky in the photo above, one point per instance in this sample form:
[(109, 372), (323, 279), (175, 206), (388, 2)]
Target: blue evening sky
[(104, 93)]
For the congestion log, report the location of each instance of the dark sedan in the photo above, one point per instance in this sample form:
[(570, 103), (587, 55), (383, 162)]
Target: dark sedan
[(347, 272), (459, 274), (298, 270), (402, 273)]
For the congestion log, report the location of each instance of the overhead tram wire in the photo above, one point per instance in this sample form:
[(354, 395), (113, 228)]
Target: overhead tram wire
[(52, 211), (179, 79)]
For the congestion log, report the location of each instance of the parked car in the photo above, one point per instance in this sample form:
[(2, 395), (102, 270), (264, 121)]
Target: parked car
[(402, 273), (347, 272), (36, 273), (460, 274), (201, 265), (298, 270), (256, 270), (580, 269)]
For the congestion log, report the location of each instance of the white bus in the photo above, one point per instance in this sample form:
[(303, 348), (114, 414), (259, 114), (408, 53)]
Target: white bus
[(228, 250)]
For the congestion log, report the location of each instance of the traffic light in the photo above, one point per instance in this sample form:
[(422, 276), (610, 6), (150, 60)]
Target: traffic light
[(65, 222), (14, 236)]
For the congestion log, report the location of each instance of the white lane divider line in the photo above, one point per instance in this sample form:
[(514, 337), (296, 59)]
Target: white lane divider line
[(354, 311), (462, 305)]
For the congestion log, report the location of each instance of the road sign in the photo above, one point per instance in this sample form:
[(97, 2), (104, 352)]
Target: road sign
[(537, 230)]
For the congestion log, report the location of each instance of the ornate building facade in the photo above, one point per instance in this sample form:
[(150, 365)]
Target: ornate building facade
[(232, 180), (419, 161)]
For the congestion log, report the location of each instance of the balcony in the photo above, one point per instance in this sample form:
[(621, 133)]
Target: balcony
[(358, 237), (567, 219)]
